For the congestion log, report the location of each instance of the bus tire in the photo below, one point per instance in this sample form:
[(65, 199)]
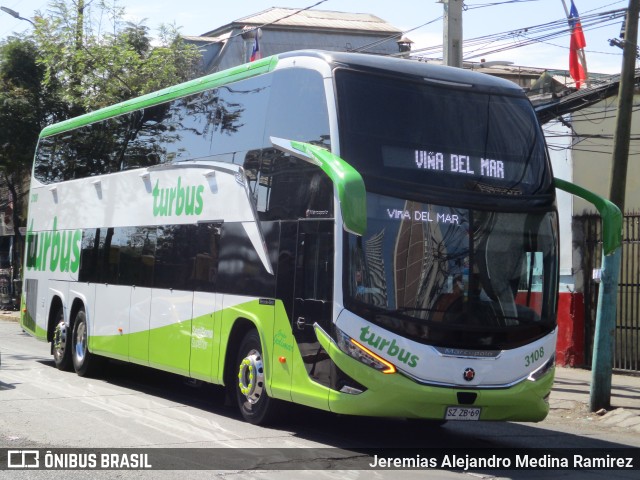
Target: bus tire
[(61, 342), (85, 363), (255, 405)]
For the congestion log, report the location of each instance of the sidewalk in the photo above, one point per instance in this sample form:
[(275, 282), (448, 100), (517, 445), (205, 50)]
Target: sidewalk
[(570, 395), (10, 315)]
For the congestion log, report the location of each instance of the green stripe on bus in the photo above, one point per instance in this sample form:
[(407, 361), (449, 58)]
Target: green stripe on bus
[(26, 322), (385, 395), (187, 88), (287, 380)]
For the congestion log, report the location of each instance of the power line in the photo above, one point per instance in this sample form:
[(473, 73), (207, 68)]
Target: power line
[(397, 35), (244, 32), (496, 4), (524, 36)]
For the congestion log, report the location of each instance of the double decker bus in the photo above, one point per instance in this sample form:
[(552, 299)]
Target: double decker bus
[(358, 234)]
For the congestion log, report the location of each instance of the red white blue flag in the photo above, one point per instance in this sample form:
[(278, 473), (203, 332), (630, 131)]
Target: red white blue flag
[(578, 42), (255, 53)]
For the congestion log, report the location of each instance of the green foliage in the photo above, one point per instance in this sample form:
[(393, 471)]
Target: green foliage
[(96, 59), (20, 105), (80, 56)]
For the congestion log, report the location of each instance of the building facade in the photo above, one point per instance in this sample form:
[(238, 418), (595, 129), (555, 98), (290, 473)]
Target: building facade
[(279, 30)]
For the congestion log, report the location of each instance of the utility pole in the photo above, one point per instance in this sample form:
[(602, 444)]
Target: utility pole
[(452, 34), (80, 25), (602, 364), (622, 134)]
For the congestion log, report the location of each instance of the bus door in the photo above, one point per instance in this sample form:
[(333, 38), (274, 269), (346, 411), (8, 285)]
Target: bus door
[(313, 288)]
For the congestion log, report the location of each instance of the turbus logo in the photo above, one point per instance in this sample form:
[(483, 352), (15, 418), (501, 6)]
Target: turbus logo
[(53, 250), (179, 200), (389, 347)]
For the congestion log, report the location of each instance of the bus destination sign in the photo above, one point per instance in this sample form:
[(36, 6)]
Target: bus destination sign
[(444, 162)]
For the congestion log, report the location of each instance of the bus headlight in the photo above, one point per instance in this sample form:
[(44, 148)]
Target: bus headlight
[(543, 369), (361, 353)]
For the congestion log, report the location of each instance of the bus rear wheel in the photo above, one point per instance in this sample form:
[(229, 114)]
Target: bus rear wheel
[(60, 343), (84, 362), (255, 405)]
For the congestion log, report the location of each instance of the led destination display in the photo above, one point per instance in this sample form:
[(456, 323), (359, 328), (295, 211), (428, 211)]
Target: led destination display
[(456, 163)]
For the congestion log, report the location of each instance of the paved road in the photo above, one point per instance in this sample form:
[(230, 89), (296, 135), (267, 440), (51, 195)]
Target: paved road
[(135, 407)]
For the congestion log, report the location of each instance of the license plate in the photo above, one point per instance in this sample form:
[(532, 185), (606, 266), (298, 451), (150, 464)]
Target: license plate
[(462, 413)]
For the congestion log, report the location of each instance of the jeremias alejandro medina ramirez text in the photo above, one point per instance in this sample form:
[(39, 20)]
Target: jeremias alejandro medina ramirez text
[(518, 461)]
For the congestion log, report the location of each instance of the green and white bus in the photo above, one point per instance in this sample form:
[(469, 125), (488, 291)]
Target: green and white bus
[(359, 234)]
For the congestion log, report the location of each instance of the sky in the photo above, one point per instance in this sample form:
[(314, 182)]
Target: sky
[(480, 18)]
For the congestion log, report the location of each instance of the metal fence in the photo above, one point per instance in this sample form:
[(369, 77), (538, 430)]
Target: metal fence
[(627, 333)]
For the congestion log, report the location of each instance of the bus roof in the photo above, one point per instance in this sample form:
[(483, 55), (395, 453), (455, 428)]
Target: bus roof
[(436, 73)]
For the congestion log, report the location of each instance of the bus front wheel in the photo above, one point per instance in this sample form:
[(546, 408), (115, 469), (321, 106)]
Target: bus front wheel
[(255, 405), (60, 343), (84, 362)]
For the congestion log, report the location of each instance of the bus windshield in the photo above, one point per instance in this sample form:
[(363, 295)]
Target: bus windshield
[(435, 265), (430, 135), (454, 277)]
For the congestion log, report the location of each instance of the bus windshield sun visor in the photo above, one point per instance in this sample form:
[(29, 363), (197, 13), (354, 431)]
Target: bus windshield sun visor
[(348, 182)]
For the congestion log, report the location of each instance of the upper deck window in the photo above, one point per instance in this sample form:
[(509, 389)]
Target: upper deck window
[(226, 122)]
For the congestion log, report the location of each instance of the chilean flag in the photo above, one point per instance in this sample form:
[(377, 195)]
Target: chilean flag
[(255, 53), (578, 42)]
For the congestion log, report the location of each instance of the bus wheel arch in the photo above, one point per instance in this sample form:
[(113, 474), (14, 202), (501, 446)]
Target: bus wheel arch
[(245, 377), (240, 328)]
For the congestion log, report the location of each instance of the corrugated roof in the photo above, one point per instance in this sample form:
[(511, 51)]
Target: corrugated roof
[(321, 19), (207, 39)]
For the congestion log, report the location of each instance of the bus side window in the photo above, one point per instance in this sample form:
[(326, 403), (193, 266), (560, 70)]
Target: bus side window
[(320, 195), (90, 266), (316, 266), (174, 256), (290, 189), (119, 256), (204, 269)]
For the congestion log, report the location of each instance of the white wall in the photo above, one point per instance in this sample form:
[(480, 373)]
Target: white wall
[(558, 138)]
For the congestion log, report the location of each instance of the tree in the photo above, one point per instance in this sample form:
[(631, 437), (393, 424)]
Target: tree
[(21, 118), (79, 57), (97, 59)]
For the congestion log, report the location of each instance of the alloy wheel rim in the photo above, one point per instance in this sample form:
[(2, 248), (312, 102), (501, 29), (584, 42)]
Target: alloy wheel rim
[(251, 377), (81, 342)]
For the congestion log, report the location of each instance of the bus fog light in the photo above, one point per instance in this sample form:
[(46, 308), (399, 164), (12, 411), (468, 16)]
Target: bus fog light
[(358, 351)]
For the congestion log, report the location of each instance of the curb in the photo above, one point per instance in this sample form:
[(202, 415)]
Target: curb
[(10, 316)]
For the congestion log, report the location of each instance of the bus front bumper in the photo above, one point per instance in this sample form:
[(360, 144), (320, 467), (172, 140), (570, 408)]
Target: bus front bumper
[(396, 395)]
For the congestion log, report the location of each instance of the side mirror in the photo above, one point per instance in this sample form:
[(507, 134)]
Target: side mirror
[(348, 182)]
